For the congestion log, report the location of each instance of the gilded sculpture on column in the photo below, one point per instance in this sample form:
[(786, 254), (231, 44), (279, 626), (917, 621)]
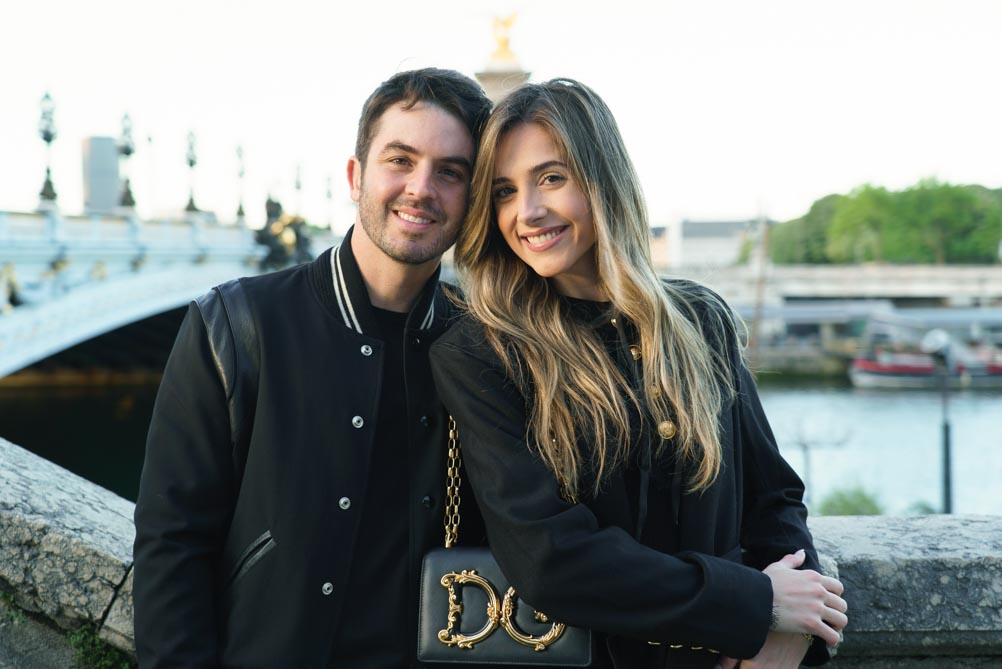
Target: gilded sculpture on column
[(503, 73), (502, 28)]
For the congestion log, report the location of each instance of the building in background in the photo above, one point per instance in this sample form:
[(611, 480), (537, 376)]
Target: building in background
[(102, 186), (661, 246), (711, 243)]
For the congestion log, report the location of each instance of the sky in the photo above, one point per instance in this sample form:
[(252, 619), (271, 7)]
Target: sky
[(731, 109)]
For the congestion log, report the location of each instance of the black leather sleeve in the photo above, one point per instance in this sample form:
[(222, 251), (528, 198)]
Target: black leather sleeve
[(183, 508)]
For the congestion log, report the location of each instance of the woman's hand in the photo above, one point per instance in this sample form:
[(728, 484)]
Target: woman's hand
[(782, 650), (805, 601)]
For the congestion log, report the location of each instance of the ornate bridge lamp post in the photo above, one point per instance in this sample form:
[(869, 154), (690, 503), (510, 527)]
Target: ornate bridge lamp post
[(330, 204), (299, 188), (192, 158), (126, 147), (240, 176), (47, 131)]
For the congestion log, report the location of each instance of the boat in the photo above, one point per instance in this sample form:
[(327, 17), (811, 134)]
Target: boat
[(893, 355), (919, 370)]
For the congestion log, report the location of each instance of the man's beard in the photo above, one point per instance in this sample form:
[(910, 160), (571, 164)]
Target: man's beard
[(375, 220)]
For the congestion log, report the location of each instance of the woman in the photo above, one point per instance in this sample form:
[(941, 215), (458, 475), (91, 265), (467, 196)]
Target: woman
[(612, 433)]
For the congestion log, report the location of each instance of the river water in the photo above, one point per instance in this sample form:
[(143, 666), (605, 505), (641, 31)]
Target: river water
[(98, 432), (887, 442)]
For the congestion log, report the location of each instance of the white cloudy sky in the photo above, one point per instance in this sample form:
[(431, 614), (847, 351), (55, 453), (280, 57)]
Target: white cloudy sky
[(730, 108)]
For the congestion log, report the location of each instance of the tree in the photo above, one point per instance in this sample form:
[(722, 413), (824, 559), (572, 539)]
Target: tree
[(930, 222), (942, 223), (859, 225), (803, 240), (853, 501)]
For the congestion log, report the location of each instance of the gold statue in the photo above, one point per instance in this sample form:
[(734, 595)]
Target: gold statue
[(503, 54), (503, 73)]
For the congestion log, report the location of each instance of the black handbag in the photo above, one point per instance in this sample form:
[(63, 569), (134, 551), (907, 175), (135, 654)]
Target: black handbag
[(470, 614)]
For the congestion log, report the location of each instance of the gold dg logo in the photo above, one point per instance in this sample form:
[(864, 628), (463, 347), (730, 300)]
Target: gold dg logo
[(503, 615)]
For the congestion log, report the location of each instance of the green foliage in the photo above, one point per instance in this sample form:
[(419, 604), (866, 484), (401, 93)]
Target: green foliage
[(90, 652), (12, 613), (947, 224), (859, 221), (745, 254), (922, 508), (930, 222), (853, 501), (803, 239)]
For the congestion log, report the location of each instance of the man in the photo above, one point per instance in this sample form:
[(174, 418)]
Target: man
[(301, 545)]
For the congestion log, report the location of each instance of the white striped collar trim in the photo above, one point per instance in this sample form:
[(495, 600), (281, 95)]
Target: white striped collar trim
[(344, 299), (430, 316), (341, 292)]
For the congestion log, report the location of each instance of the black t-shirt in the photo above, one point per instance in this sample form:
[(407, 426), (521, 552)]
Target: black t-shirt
[(371, 633)]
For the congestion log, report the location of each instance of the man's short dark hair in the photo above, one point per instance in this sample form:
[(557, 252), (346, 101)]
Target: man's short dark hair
[(455, 93)]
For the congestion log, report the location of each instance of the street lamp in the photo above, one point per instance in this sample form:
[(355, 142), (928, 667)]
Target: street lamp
[(126, 147), (330, 204), (299, 188), (47, 131), (192, 158), (937, 344), (240, 177)]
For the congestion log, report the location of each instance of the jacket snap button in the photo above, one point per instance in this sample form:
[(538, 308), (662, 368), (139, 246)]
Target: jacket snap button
[(666, 429), (327, 588), (366, 350), (416, 343), (344, 503), (423, 420), (635, 351), (357, 421), (427, 501)]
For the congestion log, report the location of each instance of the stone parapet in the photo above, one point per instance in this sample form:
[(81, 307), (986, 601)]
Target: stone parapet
[(924, 592), (65, 543)]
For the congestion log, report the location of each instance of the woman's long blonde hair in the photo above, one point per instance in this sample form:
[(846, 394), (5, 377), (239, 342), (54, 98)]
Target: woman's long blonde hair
[(575, 388)]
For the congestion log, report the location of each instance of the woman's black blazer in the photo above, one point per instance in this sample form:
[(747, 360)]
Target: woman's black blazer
[(580, 563)]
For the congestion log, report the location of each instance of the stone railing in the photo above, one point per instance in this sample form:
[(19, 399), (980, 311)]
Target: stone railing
[(65, 556), (924, 592)]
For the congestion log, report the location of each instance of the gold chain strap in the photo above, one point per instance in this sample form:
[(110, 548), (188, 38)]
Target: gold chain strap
[(453, 481)]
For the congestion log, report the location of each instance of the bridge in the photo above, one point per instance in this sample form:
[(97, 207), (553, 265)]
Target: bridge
[(68, 279), (903, 285)]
